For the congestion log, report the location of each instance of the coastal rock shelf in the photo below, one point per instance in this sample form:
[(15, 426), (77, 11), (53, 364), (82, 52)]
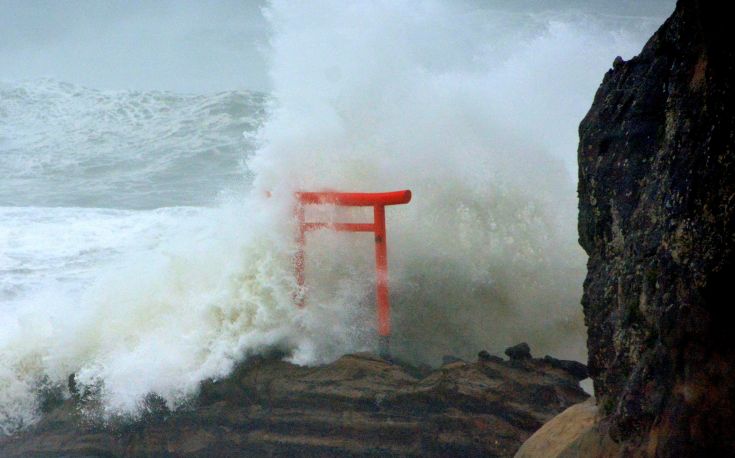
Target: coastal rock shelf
[(357, 405)]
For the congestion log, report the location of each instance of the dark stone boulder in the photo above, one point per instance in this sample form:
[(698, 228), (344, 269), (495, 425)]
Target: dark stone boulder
[(657, 218), (485, 356), (518, 352), (573, 368)]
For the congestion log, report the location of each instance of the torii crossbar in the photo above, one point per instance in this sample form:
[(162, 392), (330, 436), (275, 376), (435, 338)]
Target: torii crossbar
[(378, 201)]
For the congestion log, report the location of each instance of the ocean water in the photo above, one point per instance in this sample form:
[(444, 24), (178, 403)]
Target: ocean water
[(138, 249)]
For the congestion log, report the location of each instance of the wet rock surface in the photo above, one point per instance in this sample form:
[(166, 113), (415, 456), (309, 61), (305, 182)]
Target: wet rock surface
[(657, 218), (360, 405), (519, 352)]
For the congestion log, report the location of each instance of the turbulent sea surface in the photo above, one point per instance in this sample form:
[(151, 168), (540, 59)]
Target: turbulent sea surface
[(138, 250), (87, 174), (70, 146)]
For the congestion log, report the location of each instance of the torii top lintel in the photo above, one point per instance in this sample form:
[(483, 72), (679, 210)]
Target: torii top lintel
[(354, 199)]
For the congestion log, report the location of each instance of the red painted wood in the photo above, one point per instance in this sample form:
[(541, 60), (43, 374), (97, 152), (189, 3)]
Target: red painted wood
[(354, 199), (341, 227), (381, 271), (378, 201)]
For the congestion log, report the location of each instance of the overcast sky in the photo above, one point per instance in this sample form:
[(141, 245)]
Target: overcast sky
[(179, 45)]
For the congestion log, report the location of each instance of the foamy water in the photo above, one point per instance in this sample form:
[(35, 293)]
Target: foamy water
[(139, 252)]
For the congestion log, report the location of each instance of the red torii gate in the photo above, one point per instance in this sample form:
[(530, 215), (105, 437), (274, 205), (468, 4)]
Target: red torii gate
[(378, 201)]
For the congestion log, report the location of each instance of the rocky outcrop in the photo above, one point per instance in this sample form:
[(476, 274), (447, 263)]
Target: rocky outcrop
[(359, 405), (563, 435), (657, 218)]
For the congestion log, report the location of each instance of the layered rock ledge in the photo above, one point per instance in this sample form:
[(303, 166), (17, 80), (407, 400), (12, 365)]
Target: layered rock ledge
[(360, 405)]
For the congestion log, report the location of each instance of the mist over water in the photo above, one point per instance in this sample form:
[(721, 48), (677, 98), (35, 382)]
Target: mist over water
[(202, 46), (162, 262)]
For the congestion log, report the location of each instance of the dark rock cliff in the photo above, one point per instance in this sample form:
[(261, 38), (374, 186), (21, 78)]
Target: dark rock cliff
[(657, 218)]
